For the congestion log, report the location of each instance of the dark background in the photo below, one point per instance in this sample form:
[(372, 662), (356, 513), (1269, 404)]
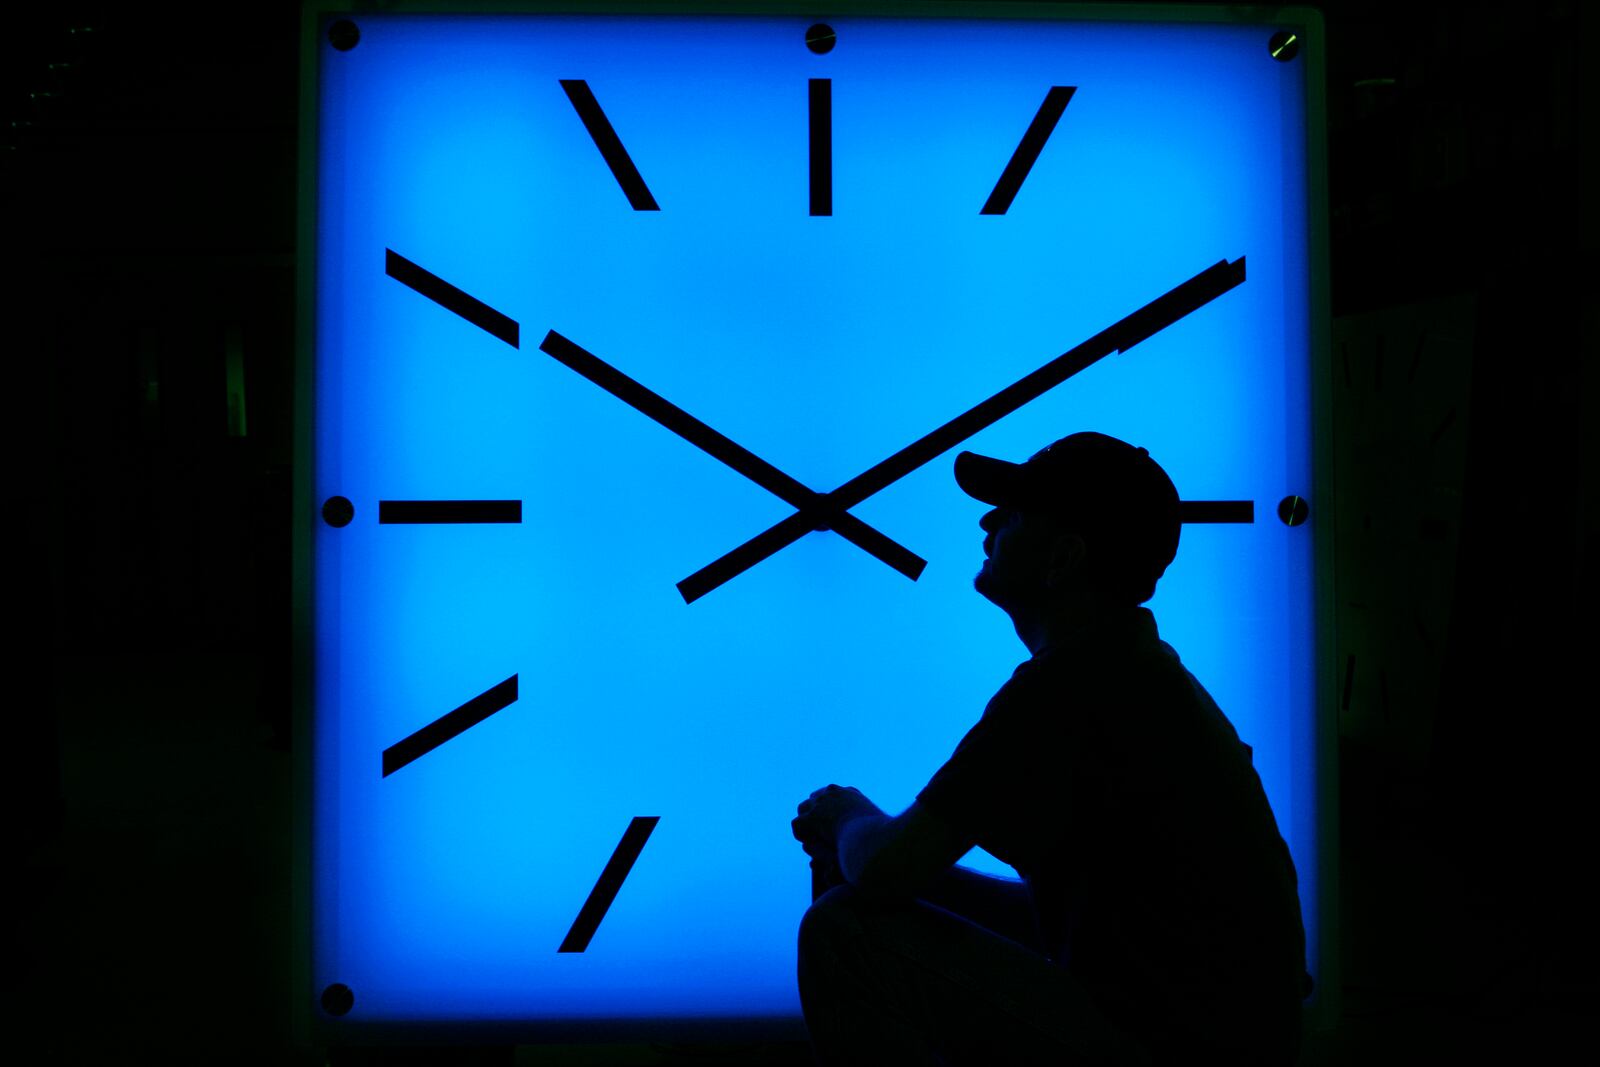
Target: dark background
[(150, 166)]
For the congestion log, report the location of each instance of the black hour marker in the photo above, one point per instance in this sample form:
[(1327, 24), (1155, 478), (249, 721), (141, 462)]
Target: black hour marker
[(1201, 511), (822, 146), (449, 725), (1022, 160), (463, 511), (610, 145), (450, 298), (605, 890)]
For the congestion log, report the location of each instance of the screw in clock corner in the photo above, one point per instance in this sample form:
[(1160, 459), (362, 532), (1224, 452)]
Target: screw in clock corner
[(338, 999), (344, 35)]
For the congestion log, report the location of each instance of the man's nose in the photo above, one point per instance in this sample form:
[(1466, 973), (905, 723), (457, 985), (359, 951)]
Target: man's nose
[(989, 521)]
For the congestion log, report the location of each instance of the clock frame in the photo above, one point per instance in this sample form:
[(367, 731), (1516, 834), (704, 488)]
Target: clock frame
[(800, 493)]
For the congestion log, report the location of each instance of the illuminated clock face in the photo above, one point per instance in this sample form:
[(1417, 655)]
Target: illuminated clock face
[(630, 334)]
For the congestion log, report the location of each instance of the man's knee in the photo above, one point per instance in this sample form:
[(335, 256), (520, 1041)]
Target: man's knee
[(844, 915), (833, 915)]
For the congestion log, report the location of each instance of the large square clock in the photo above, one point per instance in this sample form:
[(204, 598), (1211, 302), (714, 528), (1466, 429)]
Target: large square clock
[(636, 345)]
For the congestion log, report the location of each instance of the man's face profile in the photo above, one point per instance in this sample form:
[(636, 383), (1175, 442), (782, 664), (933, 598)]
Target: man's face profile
[(1022, 558)]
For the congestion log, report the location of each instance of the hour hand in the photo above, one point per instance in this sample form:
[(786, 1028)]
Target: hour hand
[(815, 511)]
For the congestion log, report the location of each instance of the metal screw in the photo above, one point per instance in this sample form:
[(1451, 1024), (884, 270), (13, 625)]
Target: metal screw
[(338, 511), (344, 35), (338, 999)]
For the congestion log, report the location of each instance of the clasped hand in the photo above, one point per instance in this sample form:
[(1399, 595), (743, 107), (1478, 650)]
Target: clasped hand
[(821, 815)]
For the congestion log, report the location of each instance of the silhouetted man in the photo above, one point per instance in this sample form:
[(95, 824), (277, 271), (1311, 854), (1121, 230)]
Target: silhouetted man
[(1157, 919)]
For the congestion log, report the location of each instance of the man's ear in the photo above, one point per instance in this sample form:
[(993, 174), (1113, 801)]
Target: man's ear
[(1067, 554)]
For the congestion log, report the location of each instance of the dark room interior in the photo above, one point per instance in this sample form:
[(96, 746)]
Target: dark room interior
[(150, 174)]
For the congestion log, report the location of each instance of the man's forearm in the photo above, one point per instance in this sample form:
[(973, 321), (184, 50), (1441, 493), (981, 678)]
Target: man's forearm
[(859, 841), (1003, 905)]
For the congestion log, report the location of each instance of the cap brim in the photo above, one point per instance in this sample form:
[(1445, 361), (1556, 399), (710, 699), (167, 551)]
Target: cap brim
[(993, 481)]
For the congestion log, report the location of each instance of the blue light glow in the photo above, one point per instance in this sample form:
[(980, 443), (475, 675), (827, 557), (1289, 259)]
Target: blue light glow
[(821, 344)]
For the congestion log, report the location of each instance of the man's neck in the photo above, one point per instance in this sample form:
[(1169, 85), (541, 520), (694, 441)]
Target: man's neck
[(1064, 626)]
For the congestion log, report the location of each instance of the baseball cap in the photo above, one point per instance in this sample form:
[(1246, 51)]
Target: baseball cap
[(1119, 499)]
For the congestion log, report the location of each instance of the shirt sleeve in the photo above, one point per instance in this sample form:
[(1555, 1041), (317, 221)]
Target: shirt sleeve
[(987, 788)]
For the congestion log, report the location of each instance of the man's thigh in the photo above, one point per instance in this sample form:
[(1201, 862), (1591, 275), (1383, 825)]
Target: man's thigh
[(970, 992)]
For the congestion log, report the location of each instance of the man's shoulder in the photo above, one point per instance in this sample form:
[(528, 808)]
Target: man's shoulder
[(1127, 660), (1139, 698)]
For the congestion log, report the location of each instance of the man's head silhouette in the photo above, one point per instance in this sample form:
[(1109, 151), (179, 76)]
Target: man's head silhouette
[(1087, 524)]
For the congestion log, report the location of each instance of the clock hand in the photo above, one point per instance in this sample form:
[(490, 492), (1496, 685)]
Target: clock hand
[(1119, 337), (816, 511)]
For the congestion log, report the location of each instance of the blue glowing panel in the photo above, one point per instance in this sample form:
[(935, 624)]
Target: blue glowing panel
[(599, 300)]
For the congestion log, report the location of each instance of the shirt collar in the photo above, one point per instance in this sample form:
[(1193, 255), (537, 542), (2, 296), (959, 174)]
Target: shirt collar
[(1119, 628)]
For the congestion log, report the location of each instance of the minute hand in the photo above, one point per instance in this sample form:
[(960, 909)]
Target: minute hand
[(1119, 337)]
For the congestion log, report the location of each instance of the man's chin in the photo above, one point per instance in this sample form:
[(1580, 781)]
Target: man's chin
[(983, 582)]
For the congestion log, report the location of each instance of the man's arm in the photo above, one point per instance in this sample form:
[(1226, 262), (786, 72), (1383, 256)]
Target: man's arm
[(899, 856)]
